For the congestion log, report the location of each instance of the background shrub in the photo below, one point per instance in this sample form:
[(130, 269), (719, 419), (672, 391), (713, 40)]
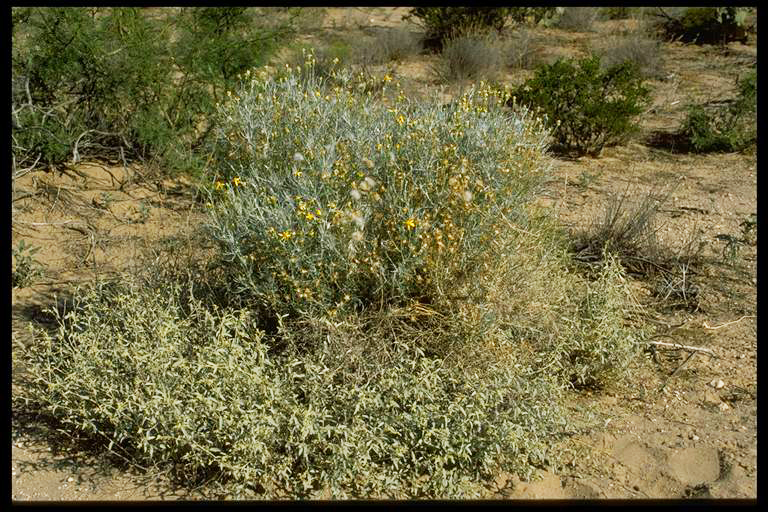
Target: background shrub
[(390, 44), (124, 83), (577, 19), (704, 25), (523, 49), (470, 57), (444, 23), (587, 107), (724, 126), (645, 52)]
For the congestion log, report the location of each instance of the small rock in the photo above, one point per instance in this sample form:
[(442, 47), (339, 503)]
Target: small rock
[(724, 406), (70, 479), (717, 384)]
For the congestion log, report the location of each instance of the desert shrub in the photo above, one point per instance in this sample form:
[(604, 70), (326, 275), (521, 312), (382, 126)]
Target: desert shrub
[(587, 107), (391, 44), (170, 382), (110, 82), (729, 126), (444, 23), (523, 49), (470, 57), (349, 202), (599, 346), (704, 25), (577, 19), (25, 267), (645, 52)]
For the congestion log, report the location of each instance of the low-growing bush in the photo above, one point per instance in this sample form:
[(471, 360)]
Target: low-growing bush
[(704, 25), (729, 126), (470, 57), (444, 23), (173, 383), (587, 107)]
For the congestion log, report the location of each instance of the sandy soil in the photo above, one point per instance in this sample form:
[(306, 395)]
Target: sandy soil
[(684, 428)]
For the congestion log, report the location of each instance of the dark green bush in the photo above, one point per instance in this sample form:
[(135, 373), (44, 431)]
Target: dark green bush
[(587, 107), (126, 82), (444, 23), (724, 126), (705, 25)]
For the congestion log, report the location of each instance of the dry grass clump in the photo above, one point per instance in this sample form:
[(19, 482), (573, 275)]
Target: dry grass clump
[(391, 44), (628, 231), (643, 50), (578, 19), (523, 49), (475, 56)]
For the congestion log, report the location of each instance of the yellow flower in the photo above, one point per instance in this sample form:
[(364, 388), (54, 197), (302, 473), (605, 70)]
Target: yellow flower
[(219, 185), (310, 216), (236, 181), (410, 223), (285, 235)]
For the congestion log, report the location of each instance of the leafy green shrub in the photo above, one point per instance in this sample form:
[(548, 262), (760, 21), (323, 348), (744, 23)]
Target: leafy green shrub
[(469, 57), (26, 268), (731, 126), (110, 82), (445, 23), (587, 107), (599, 346), (704, 25)]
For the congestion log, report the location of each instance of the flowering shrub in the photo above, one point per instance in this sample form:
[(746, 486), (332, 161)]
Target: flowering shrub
[(343, 203)]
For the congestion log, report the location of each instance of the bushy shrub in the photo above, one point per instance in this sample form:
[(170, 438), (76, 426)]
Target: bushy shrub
[(587, 107), (350, 202), (423, 319), (645, 52), (109, 82), (730, 126), (444, 23), (169, 382), (704, 25), (470, 57)]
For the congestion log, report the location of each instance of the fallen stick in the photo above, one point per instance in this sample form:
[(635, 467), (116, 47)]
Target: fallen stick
[(706, 326), (684, 347)]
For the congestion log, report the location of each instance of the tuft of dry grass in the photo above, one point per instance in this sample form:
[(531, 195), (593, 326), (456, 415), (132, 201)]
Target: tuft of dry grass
[(477, 56), (578, 19), (637, 47)]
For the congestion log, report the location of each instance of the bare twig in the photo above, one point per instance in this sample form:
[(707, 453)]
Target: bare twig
[(706, 326), (680, 346)]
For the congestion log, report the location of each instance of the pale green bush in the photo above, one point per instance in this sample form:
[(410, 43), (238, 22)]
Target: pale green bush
[(165, 380), (335, 202)]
